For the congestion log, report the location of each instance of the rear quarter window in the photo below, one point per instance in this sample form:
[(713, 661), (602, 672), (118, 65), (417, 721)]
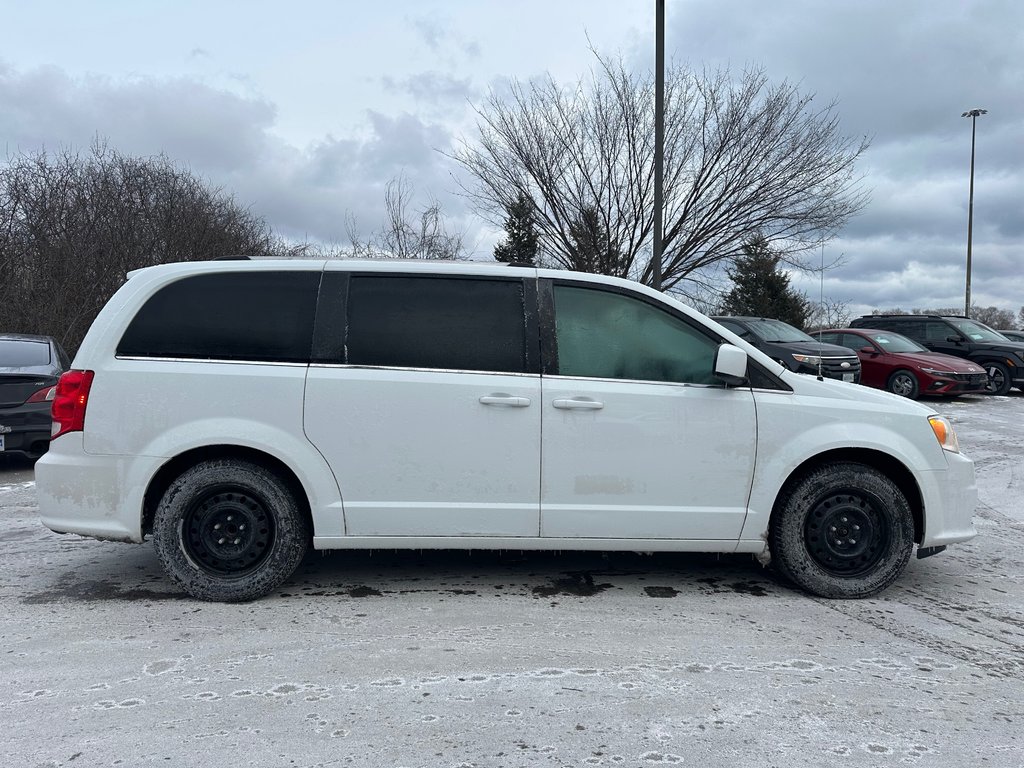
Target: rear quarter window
[(457, 323), (253, 316)]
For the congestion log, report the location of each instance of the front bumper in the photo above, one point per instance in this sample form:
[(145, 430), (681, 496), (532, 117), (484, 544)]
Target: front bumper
[(950, 499), (966, 385), (830, 372)]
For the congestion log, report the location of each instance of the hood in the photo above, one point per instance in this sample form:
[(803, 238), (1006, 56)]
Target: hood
[(939, 361), (817, 348), (1003, 346)]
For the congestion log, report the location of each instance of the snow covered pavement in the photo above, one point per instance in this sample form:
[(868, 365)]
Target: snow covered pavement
[(511, 659)]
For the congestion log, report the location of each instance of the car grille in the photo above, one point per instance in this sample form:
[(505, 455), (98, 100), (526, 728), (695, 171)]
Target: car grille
[(833, 367), (972, 378)]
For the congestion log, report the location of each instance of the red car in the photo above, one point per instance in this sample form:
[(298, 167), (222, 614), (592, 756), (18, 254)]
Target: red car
[(901, 366)]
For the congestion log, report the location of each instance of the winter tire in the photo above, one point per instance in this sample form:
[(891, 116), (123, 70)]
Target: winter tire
[(843, 530), (904, 384), (229, 530)]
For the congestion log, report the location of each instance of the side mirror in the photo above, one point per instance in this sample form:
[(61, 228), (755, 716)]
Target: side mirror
[(731, 365), (955, 339), (868, 350)]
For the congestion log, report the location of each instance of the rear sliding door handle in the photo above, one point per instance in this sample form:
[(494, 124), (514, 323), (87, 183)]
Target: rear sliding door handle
[(506, 400), (578, 405)]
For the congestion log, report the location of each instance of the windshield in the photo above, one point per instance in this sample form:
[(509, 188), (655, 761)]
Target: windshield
[(976, 331), (776, 330), (15, 353), (893, 342)]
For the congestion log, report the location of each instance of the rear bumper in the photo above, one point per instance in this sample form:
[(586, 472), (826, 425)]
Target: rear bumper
[(26, 428), (97, 496)]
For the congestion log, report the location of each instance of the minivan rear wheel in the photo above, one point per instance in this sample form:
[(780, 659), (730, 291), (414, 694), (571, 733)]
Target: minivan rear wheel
[(844, 530), (229, 530)]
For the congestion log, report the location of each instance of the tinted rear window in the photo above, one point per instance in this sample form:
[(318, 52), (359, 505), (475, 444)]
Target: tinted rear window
[(15, 353), (463, 324), (259, 316)]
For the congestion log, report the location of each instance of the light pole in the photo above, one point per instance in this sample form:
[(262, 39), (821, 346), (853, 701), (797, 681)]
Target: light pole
[(659, 138), (973, 114)]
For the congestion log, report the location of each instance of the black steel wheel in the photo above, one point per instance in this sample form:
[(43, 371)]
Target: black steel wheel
[(228, 533), (846, 534), (903, 383), (229, 530), (843, 530)]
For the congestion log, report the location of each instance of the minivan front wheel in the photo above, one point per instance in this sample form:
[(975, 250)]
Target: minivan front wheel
[(229, 530), (844, 530)]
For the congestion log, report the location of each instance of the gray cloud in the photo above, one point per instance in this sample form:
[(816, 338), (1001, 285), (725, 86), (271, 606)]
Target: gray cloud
[(901, 73), (303, 192), (436, 90)]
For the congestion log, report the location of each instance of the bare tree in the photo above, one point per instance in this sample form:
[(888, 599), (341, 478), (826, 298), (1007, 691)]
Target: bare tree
[(742, 157), (72, 225), (993, 317), (828, 313), (406, 233)]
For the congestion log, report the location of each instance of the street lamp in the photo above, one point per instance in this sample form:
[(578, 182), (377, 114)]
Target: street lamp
[(659, 139), (973, 114)]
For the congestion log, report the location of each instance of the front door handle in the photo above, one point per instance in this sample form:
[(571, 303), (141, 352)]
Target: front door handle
[(578, 405), (506, 400)]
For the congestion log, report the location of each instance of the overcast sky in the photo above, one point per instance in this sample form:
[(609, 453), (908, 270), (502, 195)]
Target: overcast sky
[(306, 109)]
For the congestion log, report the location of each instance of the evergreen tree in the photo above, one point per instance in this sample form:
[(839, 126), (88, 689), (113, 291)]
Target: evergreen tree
[(761, 289), (520, 243), (593, 249)]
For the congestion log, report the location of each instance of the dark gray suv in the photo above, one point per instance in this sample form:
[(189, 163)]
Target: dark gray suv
[(1001, 358), (794, 348)]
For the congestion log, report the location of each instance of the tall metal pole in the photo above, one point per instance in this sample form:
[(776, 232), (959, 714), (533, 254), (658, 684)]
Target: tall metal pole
[(973, 114), (659, 138)]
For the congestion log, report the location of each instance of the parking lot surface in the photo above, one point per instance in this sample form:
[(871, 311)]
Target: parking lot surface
[(513, 659)]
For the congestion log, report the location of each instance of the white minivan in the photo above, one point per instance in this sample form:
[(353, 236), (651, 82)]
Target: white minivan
[(238, 412)]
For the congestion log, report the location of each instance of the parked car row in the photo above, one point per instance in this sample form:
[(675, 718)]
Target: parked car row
[(960, 337), (29, 369), (908, 355), (902, 366)]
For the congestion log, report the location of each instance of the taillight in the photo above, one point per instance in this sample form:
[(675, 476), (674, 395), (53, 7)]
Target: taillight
[(69, 402), (43, 395)]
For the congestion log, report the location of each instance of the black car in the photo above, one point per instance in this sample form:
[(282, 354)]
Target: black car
[(794, 348), (1001, 358), (1013, 335), (29, 369)]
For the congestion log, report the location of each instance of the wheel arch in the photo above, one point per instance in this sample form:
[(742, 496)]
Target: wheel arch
[(892, 468), (166, 475)]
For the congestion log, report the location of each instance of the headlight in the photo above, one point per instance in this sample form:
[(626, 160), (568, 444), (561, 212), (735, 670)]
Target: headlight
[(944, 433), (807, 359), (936, 371)]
